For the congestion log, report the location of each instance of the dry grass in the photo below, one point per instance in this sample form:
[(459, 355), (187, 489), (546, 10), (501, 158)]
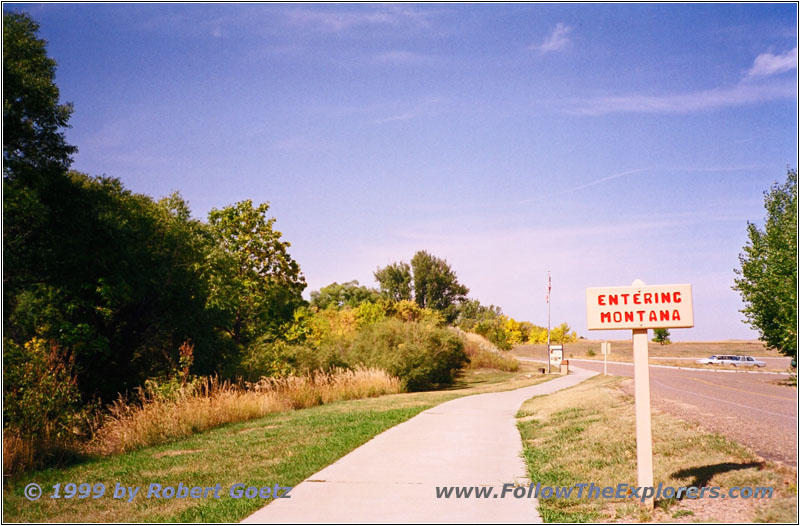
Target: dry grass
[(587, 434), (18, 454), (151, 418), (484, 355)]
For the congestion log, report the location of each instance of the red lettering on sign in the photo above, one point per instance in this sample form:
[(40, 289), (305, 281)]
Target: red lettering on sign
[(648, 298), (617, 316), (613, 299), (663, 315), (605, 317), (601, 299), (665, 297), (641, 314), (629, 316), (637, 299), (625, 297), (676, 316), (653, 316), (676, 298)]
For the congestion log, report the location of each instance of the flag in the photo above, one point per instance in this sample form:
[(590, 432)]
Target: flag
[(549, 286)]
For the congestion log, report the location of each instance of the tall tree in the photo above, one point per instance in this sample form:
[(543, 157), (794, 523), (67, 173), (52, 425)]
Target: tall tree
[(768, 273), (36, 157), (435, 284), (34, 146), (395, 281), (255, 283)]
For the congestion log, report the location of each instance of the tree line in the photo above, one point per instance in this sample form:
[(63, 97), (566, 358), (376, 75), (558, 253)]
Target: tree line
[(105, 289)]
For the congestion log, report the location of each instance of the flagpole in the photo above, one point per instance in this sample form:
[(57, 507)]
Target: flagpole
[(549, 286)]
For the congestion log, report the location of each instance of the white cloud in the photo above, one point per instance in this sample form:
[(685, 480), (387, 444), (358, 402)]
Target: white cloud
[(340, 21), (557, 41), (767, 64), (401, 57), (707, 100)]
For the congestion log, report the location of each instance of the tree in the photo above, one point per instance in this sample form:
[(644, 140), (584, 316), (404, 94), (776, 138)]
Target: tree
[(768, 273), (35, 158), (435, 284), (34, 146), (255, 283), (661, 336), (348, 294), (395, 281)]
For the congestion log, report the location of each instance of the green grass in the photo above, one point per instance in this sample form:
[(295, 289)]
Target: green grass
[(586, 434), (282, 448)]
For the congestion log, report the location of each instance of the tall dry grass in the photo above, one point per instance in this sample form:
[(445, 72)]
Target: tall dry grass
[(151, 418), (484, 355)]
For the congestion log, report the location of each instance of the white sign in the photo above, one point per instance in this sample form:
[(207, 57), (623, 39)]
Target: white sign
[(639, 307), (556, 355)]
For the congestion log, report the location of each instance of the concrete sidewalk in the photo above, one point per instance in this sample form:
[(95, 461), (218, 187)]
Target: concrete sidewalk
[(470, 441)]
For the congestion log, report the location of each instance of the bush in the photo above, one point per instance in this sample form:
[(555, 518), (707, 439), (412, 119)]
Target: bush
[(422, 355), (278, 359), (40, 404), (484, 355)]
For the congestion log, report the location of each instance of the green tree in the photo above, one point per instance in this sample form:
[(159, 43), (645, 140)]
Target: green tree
[(435, 284), (122, 292), (35, 159), (395, 281), (661, 336), (34, 146), (255, 283), (349, 294), (768, 275)]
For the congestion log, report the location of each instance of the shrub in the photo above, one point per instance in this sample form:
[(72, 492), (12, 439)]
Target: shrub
[(40, 404), (483, 355), (422, 355), (279, 359)]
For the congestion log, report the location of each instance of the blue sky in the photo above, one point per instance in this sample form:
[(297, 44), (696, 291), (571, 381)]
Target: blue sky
[(602, 142)]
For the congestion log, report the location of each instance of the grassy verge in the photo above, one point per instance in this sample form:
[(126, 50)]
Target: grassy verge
[(585, 434), (282, 448)]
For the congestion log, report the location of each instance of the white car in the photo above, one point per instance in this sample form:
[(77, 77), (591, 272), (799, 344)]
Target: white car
[(734, 360)]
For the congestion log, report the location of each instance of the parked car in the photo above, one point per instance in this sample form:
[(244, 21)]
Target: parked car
[(734, 360)]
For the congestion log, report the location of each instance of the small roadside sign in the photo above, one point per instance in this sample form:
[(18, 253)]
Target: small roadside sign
[(556, 355), (639, 308)]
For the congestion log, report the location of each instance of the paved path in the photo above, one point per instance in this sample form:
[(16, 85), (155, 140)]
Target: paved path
[(470, 441)]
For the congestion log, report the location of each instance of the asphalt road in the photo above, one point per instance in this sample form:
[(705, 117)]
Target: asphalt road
[(750, 408), (772, 362)]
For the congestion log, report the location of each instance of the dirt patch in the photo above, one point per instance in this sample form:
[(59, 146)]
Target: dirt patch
[(176, 452), (256, 428)]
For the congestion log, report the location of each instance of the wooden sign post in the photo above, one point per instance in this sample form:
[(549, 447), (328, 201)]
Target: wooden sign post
[(639, 308)]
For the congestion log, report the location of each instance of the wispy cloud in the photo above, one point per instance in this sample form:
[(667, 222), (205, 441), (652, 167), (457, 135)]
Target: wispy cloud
[(706, 100), (755, 87), (339, 21), (558, 40), (767, 64), (424, 108), (401, 57)]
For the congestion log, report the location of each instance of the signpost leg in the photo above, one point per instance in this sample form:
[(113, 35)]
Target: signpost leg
[(644, 442), (605, 358)]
